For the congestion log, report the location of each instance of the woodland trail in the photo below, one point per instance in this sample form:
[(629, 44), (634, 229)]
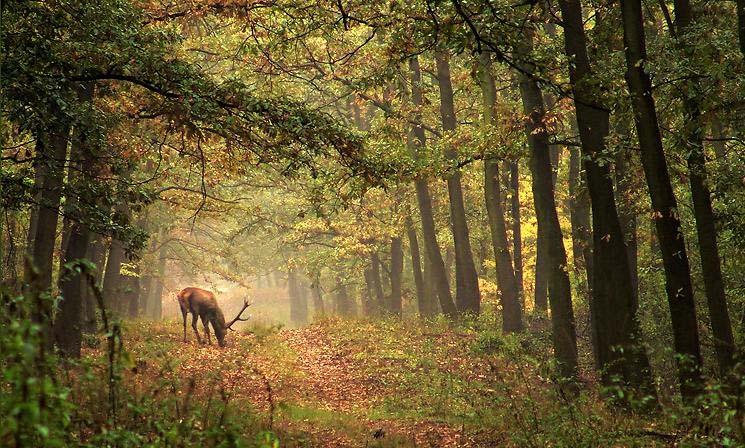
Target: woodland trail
[(311, 388)]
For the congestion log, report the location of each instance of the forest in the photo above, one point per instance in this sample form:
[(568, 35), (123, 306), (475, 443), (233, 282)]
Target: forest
[(352, 223)]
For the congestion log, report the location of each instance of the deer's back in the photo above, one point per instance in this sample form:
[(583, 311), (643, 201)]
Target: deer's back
[(198, 300)]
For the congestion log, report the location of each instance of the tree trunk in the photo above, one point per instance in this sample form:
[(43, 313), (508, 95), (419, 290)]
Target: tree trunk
[(509, 295), (40, 169), (424, 200), (97, 255), (397, 267), (113, 282), (319, 310), (467, 295), (430, 286), (667, 223), (517, 243), (562, 314), (626, 214), (368, 302), (579, 211), (298, 306), (147, 283), (416, 269), (741, 25), (613, 307), (132, 293), (53, 154), (68, 325), (377, 283), (157, 304), (540, 288), (705, 230), (342, 299)]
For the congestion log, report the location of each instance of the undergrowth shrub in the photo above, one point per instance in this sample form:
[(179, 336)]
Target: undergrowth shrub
[(103, 401)]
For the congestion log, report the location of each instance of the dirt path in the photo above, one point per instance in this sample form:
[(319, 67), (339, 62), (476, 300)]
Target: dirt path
[(324, 392), (336, 379)]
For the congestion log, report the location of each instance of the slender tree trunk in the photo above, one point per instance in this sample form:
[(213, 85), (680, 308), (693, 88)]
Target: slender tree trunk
[(430, 286), (53, 153), (416, 268), (509, 295), (298, 306), (368, 302), (377, 283), (97, 255), (424, 200), (717, 132), (68, 326), (741, 25), (342, 299), (157, 312), (397, 267), (705, 230), (560, 298), (319, 310), (113, 284), (540, 288), (146, 295), (579, 211), (613, 307), (40, 169), (667, 223), (517, 243), (467, 296), (626, 214), (132, 293)]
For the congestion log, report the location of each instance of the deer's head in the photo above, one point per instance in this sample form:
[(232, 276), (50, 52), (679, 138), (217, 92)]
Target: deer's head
[(220, 332)]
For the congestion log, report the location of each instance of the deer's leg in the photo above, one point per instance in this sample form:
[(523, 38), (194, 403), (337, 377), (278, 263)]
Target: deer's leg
[(205, 322), (194, 326), (183, 314)]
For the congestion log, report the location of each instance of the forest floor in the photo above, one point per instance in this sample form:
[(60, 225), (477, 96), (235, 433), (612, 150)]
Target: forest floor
[(387, 383)]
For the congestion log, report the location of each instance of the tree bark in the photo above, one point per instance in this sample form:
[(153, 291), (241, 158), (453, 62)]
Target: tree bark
[(377, 283), (467, 295), (626, 214), (672, 244), (157, 304), (741, 25), (509, 295), (53, 154), (424, 200), (397, 267), (342, 299), (68, 325), (517, 243), (560, 298), (416, 269), (97, 255), (298, 306), (319, 310), (579, 212), (132, 292), (716, 299), (540, 287), (113, 280), (615, 326), (40, 169)]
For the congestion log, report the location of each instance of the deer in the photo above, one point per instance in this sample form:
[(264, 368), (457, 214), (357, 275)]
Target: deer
[(202, 304)]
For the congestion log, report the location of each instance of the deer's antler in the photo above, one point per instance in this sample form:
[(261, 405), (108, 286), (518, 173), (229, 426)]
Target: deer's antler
[(238, 318)]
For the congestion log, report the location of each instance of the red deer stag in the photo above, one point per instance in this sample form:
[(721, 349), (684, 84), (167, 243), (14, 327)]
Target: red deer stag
[(202, 304)]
